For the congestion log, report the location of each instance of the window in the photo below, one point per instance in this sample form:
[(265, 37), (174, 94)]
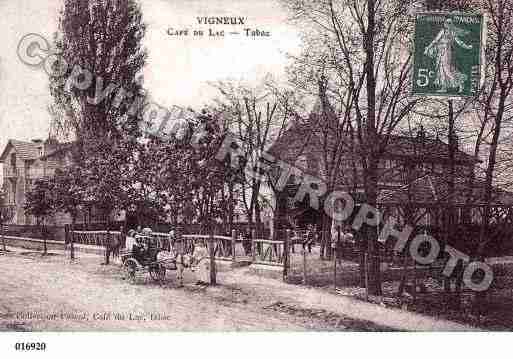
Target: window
[(13, 160)]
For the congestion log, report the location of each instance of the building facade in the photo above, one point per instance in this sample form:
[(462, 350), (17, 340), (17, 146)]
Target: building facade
[(25, 162), (413, 169)]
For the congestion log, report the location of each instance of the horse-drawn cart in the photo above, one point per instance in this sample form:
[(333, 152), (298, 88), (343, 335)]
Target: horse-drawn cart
[(146, 259), (157, 256)]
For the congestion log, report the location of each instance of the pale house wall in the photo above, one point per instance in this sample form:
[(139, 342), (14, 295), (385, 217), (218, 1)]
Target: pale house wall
[(14, 186)]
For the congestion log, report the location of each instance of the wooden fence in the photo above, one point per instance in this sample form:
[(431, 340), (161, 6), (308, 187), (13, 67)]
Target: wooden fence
[(95, 238), (225, 248)]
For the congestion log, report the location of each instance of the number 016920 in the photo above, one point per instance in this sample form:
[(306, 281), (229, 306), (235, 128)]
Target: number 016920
[(30, 346)]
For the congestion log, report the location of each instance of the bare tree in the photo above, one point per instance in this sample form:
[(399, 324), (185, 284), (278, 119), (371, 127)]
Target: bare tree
[(257, 118), (373, 42), (498, 90)]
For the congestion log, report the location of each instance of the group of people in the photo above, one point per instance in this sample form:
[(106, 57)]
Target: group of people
[(340, 233), (139, 241)]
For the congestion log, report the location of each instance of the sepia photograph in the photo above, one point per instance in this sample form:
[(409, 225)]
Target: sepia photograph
[(255, 166)]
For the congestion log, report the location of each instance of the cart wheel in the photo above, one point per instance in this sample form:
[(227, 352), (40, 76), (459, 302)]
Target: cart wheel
[(158, 272), (130, 270)]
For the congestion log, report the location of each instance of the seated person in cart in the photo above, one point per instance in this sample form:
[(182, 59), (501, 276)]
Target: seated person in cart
[(139, 249)]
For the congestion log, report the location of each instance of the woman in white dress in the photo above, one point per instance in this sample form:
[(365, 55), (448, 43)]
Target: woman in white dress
[(201, 264)]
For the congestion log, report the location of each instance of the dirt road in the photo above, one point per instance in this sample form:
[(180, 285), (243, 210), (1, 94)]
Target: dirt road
[(53, 294), (50, 293)]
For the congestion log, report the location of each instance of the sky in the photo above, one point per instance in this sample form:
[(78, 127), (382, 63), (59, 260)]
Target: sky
[(177, 70)]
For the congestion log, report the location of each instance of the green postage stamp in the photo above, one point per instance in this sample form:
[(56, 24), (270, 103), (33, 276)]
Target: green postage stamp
[(448, 55)]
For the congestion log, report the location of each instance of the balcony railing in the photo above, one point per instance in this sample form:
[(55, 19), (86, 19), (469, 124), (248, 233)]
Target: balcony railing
[(11, 172)]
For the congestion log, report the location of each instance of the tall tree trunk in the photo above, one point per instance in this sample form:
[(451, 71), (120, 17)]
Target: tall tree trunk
[(258, 216), (450, 199), (324, 236), (490, 170), (281, 213), (231, 207), (372, 157)]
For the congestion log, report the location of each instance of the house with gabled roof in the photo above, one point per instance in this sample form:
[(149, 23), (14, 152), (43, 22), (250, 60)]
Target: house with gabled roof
[(23, 163), (413, 168)]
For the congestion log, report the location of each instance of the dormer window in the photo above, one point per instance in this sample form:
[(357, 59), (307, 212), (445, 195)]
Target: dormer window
[(13, 160)]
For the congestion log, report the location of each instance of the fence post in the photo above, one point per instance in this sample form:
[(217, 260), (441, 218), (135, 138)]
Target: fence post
[(213, 270), (335, 256), (72, 245), (286, 254), (303, 252), (4, 247), (366, 262), (234, 242), (253, 246), (69, 235), (67, 240), (107, 247), (414, 290)]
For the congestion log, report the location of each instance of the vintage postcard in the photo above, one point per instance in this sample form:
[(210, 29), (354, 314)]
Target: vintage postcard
[(272, 165)]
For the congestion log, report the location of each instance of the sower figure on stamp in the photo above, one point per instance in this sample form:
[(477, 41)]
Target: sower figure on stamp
[(442, 50)]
